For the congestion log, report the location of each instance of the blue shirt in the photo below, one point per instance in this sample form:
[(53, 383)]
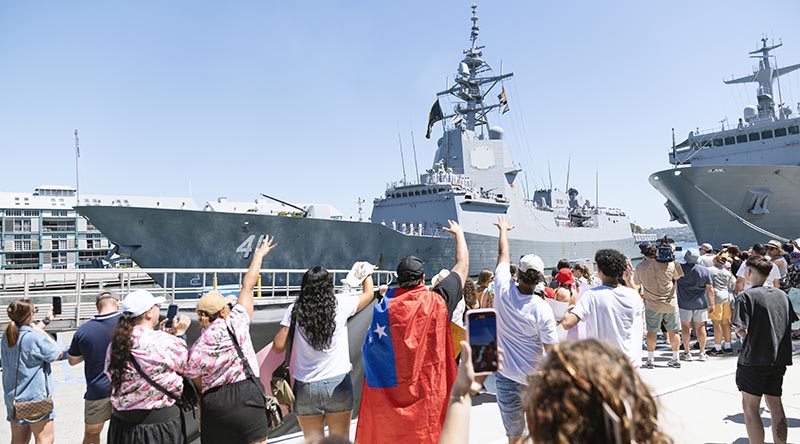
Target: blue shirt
[(37, 354), (91, 341), (692, 287)]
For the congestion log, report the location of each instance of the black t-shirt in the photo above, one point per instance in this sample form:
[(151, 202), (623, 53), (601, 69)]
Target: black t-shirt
[(768, 315), (450, 289)]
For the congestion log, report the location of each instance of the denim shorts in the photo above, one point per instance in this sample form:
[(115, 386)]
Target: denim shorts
[(512, 410), (332, 395)]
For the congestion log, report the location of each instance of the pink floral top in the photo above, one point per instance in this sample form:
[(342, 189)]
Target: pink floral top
[(213, 356), (162, 357)]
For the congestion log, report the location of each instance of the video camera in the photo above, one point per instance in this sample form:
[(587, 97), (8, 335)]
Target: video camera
[(665, 250)]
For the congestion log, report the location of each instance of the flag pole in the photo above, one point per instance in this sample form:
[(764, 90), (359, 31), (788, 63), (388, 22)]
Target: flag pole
[(77, 171)]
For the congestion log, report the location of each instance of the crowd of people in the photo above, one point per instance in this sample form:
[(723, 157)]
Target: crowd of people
[(569, 349)]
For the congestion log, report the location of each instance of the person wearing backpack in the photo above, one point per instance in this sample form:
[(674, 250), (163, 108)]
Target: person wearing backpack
[(144, 365)]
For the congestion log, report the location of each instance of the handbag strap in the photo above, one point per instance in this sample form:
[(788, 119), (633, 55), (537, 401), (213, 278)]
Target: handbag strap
[(150, 381), (245, 363), (287, 358), (16, 376)]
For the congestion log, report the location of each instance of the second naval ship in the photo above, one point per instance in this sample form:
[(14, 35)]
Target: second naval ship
[(472, 180), (739, 184)]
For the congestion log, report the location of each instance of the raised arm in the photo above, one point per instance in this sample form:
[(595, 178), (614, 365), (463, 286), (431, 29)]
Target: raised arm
[(462, 253), (367, 295), (503, 254), (250, 279)]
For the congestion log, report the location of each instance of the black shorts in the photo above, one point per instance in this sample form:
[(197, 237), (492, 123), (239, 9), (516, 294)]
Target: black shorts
[(233, 413), (137, 426), (760, 380)]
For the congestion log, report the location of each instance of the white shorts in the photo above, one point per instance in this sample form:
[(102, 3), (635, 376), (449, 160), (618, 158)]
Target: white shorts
[(694, 315)]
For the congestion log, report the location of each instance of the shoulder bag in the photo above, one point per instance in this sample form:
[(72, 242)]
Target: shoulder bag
[(273, 409), (187, 402), (31, 411), (281, 380)]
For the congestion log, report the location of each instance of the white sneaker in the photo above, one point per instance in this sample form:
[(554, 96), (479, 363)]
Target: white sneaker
[(703, 357), (674, 363), (686, 356)]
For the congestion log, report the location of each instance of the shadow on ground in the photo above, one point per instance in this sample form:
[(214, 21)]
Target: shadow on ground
[(739, 419)]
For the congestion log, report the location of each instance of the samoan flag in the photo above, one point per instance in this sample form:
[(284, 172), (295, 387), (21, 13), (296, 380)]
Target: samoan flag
[(409, 369)]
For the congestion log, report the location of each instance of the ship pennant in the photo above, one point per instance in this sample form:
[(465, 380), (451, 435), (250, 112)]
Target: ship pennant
[(503, 100), (434, 116)]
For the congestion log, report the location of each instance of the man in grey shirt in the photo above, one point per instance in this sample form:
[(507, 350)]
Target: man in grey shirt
[(695, 301)]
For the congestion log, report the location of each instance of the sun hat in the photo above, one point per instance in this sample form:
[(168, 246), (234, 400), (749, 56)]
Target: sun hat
[(358, 273), (565, 277), (706, 247), (691, 256), (139, 302), (439, 277), (531, 261), (213, 301), (775, 244)]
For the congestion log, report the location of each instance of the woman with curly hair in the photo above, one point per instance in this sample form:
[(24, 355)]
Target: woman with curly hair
[(588, 391), (320, 357), (141, 413)]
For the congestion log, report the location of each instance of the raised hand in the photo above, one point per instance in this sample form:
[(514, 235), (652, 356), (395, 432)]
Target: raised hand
[(267, 245), (454, 228), (504, 223)]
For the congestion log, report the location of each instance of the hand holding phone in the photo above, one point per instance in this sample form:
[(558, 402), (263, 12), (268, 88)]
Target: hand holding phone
[(172, 311), (57, 305), (482, 338)]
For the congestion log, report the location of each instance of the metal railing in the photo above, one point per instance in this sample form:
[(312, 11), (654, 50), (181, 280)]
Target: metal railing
[(78, 288)]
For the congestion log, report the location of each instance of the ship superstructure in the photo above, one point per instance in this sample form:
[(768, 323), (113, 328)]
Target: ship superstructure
[(472, 180), (739, 183)]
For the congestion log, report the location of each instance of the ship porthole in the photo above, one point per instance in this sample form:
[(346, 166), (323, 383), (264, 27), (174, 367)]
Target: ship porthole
[(677, 173), (655, 177)]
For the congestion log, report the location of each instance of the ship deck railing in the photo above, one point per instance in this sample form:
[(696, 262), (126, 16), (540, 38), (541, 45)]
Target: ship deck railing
[(78, 288)]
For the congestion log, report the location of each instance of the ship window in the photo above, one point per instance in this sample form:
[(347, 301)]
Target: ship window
[(707, 143), (730, 140), (766, 134), (780, 132), (741, 138), (718, 142), (794, 129), (754, 136)]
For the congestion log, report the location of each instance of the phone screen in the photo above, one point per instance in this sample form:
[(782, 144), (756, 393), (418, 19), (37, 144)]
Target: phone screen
[(56, 305), (482, 328), (172, 311)]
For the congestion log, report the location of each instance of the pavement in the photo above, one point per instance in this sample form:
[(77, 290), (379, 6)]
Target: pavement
[(698, 403)]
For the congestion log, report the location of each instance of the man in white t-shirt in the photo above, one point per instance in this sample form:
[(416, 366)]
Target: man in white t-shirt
[(773, 280), (525, 330), (706, 258), (612, 312)]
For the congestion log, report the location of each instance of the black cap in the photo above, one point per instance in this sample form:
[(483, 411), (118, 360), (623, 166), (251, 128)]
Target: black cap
[(643, 246), (410, 268)]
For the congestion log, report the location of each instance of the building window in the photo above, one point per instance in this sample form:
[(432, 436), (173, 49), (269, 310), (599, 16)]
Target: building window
[(30, 213), (14, 213), (780, 132), (59, 213), (22, 245), (23, 225)]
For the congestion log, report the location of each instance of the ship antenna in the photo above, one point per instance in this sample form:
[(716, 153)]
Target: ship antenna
[(414, 147), (550, 175), (569, 165), (596, 189), (77, 171), (674, 156), (402, 158), (475, 28)]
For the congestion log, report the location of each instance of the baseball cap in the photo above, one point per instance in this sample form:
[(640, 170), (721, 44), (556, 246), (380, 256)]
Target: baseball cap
[(531, 261), (410, 268), (439, 276), (707, 247), (691, 255), (643, 246), (106, 294), (357, 274), (139, 302), (213, 301), (564, 276)]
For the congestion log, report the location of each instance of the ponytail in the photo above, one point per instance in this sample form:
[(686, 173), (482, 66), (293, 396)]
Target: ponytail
[(18, 312), (121, 346)]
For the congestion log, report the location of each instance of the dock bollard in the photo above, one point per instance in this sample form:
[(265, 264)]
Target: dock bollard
[(214, 281)]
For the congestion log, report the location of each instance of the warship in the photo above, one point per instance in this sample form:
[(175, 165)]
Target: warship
[(473, 179), (739, 183)]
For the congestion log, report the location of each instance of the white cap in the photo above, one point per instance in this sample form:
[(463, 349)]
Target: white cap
[(707, 247), (139, 302), (358, 273), (531, 261), (439, 276)]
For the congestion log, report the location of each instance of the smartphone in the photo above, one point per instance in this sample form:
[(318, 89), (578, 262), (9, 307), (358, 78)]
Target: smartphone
[(172, 311), (482, 338), (56, 305)]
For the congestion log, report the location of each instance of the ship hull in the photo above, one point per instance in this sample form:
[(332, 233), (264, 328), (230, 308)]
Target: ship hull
[(160, 238), (762, 195)]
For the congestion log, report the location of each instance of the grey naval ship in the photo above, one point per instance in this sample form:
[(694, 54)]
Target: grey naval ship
[(739, 184), (472, 180)]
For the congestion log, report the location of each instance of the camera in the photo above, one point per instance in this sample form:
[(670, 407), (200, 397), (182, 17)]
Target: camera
[(665, 252)]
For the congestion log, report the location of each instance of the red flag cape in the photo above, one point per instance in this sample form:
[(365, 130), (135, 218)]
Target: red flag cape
[(409, 369)]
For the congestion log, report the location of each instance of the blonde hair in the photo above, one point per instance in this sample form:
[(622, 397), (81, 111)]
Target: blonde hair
[(18, 312)]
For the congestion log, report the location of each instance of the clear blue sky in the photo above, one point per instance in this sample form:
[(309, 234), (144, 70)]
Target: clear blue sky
[(304, 100)]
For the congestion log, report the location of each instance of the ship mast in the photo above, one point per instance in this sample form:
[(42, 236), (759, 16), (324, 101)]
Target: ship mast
[(764, 76), (468, 81)]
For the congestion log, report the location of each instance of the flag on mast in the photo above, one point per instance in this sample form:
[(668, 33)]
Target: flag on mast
[(434, 116), (503, 100)]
